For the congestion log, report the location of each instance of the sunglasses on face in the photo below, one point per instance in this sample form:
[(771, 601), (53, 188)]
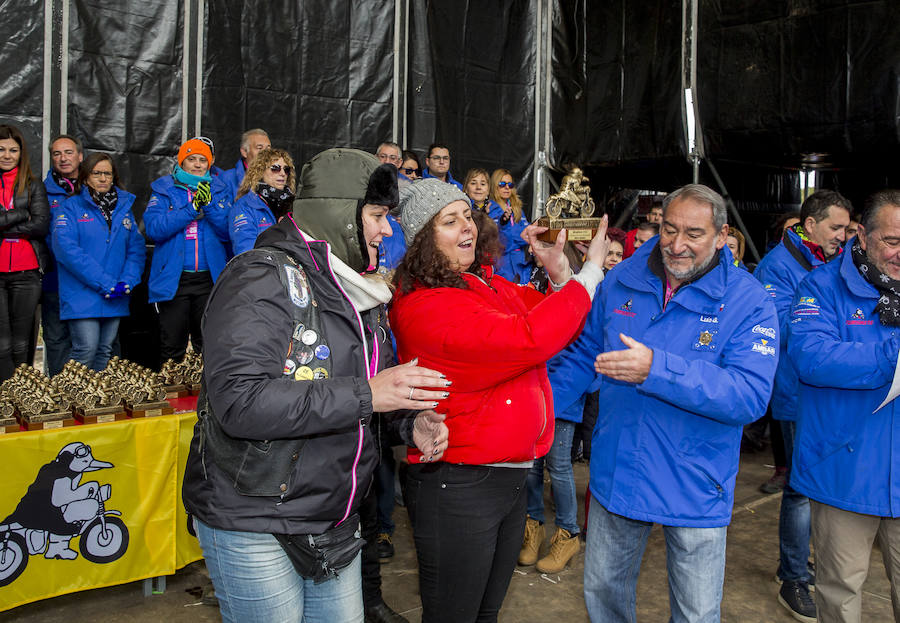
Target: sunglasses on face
[(509, 185), (409, 170), (276, 168)]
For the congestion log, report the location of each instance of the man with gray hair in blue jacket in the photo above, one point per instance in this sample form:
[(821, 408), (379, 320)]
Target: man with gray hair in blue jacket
[(844, 342), (684, 345)]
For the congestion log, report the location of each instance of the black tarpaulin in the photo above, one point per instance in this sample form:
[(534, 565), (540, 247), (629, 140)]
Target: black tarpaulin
[(125, 76), (22, 56), (314, 75), (778, 78), (616, 91), (471, 84)]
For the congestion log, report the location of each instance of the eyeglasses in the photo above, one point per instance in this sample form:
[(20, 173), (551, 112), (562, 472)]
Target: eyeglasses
[(509, 185), (82, 451), (102, 173), (209, 143), (409, 170), (440, 158), (388, 157), (276, 168)]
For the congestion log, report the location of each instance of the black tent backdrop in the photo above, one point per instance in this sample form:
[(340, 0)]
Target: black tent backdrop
[(776, 79)]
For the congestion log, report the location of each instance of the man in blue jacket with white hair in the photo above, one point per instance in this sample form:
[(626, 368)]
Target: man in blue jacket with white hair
[(684, 346), (844, 342)]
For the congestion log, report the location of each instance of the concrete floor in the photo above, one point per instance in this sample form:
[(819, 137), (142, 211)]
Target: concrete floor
[(749, 592)]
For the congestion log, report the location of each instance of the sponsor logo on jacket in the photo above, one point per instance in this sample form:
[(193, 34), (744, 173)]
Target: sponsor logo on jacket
[(763, 348), (806, 306), (769, 332), (625, 309), (859, 318)]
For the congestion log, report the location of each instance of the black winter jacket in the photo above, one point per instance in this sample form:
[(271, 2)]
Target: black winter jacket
[(29, 218), (247, 331)]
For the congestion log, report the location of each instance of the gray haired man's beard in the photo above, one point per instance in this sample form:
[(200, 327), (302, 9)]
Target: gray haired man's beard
[(689, 273)]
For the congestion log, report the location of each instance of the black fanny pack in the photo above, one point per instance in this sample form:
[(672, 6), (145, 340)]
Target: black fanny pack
[(320, 557)]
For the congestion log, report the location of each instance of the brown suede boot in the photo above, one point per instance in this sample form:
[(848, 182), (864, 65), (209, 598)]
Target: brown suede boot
[(531, 544), (563, 546)]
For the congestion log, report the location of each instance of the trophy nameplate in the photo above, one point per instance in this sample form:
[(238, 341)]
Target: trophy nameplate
[(149, 409)]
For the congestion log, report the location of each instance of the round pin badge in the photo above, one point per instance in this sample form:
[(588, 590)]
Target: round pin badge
[(289, 367), (322, 352), (309, 337), (320, 373), (304, 356), (303, 374)]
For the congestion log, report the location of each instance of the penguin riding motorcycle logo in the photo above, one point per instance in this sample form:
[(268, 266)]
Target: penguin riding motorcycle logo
[(58, 507)]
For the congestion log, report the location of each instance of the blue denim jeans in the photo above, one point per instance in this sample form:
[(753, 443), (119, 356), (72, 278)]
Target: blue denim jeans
[(562, 479), (256, 582), (695, 561), (793, 522), (92, 340)]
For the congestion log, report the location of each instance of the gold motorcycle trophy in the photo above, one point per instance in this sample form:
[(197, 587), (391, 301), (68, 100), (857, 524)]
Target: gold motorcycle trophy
[(571, 209)]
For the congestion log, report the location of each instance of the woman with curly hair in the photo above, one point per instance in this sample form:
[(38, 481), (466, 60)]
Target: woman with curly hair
[(492, 339), (24, 222), (264, 197), (517, 264)]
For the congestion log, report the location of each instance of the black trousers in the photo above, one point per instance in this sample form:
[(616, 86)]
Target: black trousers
[(179, 319), (371, 565), (468, 523), (20, 293)]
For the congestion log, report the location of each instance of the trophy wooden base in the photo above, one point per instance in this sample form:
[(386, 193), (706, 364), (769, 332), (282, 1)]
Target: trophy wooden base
[(149, 409), (194, 389), (47, 421), (578, 229), (176, 391), (9, 425), (101, 415)]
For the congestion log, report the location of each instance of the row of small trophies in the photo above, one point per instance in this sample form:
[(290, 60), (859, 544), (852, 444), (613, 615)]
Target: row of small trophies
[(82, 392)]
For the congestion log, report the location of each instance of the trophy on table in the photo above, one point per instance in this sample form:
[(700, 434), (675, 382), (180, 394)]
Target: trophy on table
[(35, 401), (571, 209)]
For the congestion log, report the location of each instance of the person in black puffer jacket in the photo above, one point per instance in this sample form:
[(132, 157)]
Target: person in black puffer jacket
[(24, 222), (282, 453)]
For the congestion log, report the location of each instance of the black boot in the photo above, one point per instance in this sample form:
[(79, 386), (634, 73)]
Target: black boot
[(382, 613)]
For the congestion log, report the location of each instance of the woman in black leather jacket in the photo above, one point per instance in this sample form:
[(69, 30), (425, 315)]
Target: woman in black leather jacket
[(24, 222), (283, 452)]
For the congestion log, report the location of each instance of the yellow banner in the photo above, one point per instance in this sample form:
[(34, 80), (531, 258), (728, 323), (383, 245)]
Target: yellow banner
[(92, 506)]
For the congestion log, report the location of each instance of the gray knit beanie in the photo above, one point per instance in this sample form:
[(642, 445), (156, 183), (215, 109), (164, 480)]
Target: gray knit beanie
[(421, 200)]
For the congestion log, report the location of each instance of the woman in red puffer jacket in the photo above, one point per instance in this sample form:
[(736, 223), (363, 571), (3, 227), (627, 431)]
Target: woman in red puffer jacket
[(492, 339), (24, 222)]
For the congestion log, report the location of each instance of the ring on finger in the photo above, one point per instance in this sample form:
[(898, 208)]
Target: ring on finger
[(411, 389)]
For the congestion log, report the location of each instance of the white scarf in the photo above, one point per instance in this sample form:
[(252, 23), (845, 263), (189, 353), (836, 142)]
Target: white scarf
[(364, 292)]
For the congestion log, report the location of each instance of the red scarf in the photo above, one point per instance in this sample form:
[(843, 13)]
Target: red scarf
[(7, 187), (16, 254)]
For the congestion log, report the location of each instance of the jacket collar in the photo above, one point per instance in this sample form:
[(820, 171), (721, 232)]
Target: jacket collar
[(701, 296), (795, 244), (856, 283)]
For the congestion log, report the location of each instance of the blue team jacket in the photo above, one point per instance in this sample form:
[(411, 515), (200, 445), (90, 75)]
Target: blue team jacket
[(844, 454), (513, 265), (56, 196), (392, 248), (667, 450), (450, 180), (233, 178), (248, 217), (92, 258), (780, 272), (168, 213)]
